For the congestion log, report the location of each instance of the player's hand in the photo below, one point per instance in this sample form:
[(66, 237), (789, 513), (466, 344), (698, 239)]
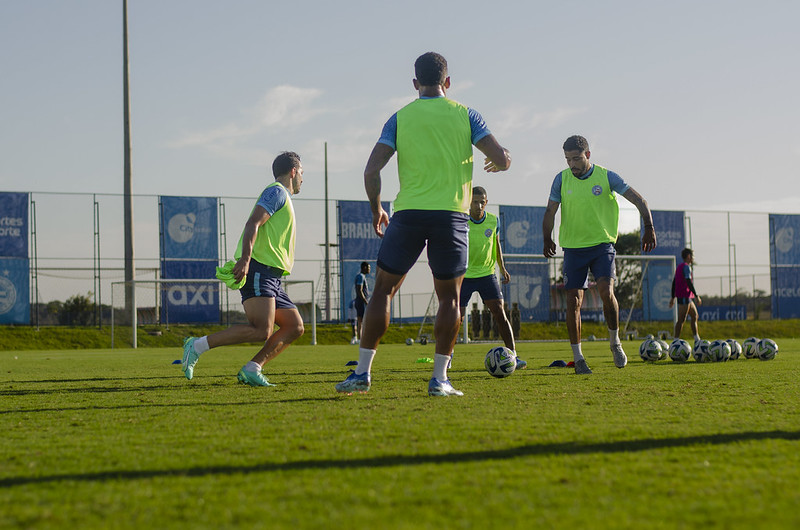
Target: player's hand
[(491, 167), (671, 302), (649, 239), (699, 301), (506, 276), (380, 220), (241, 268), (549, 248)]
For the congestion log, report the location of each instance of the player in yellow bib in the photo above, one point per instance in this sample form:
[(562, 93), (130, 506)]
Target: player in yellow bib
[(264, 255), (587, 194), (485, 256)]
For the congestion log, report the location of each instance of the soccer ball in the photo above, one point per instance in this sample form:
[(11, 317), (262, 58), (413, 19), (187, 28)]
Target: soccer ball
[(650, 350), (500, 362), (409, 341), (679, 350), (736, 348), (719, 351), (700, 351), (749, 347), (766, 349), (664, 345)]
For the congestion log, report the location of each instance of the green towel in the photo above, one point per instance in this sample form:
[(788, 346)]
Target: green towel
[(225, 274)]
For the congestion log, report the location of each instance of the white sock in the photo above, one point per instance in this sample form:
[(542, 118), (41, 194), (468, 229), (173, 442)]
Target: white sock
[(613, 336), (696, 338), (201, 345), (577, 354), (365, 357), (252, 366), (440, 362)]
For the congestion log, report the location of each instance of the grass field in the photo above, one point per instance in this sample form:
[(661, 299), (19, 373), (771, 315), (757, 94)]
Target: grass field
[(102, 439)]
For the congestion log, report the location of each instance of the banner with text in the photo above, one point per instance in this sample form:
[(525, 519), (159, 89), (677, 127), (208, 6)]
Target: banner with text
[(189, 250), (529, 288), (657, 288), (15, 291), (14, 225), (521, 229), (784, 258), (357, 242)]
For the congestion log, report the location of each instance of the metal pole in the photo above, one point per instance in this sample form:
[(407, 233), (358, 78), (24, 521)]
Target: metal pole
[(327, 246), (130, 300)]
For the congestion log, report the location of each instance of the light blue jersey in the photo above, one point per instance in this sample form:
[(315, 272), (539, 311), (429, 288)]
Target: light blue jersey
[(273, 198)]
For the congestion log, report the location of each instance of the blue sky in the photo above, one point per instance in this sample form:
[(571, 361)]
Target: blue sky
[(694, 103)]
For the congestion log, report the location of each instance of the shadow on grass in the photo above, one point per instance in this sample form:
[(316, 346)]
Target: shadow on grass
[(558, 449)]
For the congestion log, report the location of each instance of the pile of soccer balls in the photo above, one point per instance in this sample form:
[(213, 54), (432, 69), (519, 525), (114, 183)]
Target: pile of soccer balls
[(679, 350)]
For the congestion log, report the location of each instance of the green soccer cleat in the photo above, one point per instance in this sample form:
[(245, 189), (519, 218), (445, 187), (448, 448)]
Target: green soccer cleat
[(253, 378), (190, 357)]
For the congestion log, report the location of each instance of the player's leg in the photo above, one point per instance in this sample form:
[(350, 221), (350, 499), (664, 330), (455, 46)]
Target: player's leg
[(604, 269), (683, 309), (694, 317), (576, 278)]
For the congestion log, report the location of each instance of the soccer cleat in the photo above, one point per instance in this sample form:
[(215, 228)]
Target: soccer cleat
[(355, 383), (354, 341), (521, 365), (190, 357), (581, 368), (442, 388), (253, 378), (620, 359)]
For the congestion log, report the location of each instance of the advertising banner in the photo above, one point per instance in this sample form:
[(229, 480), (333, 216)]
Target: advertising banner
[(189, 250), (657, 288), (14, 225), (15, 291), (784, 257), (521, 229), (529, 288)]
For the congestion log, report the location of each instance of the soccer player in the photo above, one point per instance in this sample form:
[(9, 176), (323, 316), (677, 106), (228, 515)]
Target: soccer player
[(362, 297), (683, 290), (588, 231), (433, 137), (485, 254), (264, 255)]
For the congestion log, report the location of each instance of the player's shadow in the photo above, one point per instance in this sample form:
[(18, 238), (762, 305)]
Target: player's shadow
[(557, 449)]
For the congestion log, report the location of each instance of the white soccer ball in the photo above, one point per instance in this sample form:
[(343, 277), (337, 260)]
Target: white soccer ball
[(500, 362), (679, 350), (409, 341), (749, 347), (700, 351), (719, 351), (736, 348), (650, 350), (664, 345), (766, 349)]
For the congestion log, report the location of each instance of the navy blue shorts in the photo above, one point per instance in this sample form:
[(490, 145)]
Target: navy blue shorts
[(684, 301), (446, 236), (265, 281), (578, 261), (487, 286), (360, 306)]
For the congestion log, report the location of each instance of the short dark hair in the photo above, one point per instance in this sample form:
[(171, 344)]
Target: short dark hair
[(430, 69), (685, 253), (364, 264), (576, 143), (479, 190), (284, 163)]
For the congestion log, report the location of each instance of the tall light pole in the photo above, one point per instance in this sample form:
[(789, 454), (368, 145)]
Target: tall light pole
[(327, 246), (130, 293)]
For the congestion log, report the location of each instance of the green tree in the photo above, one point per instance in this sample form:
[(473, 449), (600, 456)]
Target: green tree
[(78, 310)]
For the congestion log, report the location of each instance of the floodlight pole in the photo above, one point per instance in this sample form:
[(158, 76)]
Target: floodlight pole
[(130, 290), (327, 246)]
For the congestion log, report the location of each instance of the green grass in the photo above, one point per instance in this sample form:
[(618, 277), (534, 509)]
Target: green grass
[(119, 439)]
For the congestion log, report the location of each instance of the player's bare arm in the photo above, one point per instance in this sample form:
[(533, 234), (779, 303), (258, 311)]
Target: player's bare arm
[(497, 157), (649, 235), (547, 228), (256, 219), (380, 156), (500, 264)]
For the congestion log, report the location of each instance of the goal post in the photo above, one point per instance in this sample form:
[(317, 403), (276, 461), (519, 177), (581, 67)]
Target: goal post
[(193, 301)]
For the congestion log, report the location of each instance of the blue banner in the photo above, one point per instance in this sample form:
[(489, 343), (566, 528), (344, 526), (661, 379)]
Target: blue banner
[(529, 288), (189, 250), (189, 228), (722, 312), (15, 291), (521, 229), (14, 225), (657, 290), (357, 242), (670, 232), (784, 257), (190, 302)]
